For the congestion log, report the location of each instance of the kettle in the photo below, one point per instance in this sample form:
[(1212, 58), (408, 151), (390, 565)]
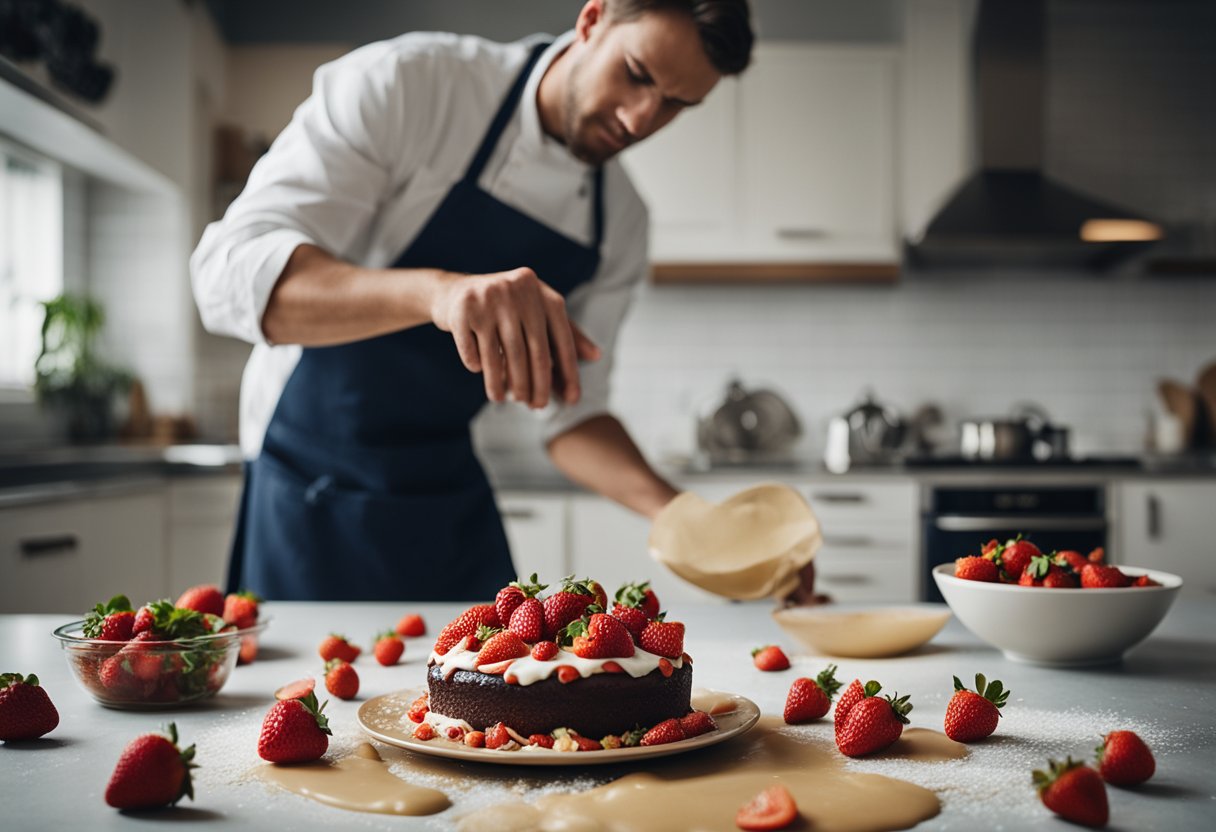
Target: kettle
[(870, 432), (747, 426)]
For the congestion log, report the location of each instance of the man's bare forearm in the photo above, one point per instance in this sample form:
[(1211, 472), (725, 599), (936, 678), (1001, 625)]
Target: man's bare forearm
[(320, 300), (599, 454)]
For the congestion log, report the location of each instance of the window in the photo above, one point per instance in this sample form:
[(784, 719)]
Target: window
[(31, 256)]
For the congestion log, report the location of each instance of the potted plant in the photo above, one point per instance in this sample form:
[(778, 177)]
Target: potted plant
[(70, 378)]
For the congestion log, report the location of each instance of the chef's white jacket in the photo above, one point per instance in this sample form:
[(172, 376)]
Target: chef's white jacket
[(366, 159)]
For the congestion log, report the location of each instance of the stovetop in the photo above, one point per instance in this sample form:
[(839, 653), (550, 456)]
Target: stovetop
[(959, 461)]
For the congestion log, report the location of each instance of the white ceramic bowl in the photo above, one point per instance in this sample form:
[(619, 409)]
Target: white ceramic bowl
[(1059, 627)]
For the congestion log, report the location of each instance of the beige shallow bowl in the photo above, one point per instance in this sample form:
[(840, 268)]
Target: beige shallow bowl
[(863, 632)]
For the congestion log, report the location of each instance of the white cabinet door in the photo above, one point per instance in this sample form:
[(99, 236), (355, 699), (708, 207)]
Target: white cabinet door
[(536, 531), (818, 161), (66, 556), (1170, 525), (202, 519), (609, 543)]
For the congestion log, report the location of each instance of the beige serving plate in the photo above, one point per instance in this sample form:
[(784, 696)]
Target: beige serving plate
[(863, 633)]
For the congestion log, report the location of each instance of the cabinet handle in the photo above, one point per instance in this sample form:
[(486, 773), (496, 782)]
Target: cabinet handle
[(847, 580), (839, 497), (51, 545), (853, 541), (1154, 517), (517, 514), (1025, 522), (802, 233)]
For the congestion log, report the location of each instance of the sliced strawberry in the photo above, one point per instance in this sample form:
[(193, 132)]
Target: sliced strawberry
[(296, 690)]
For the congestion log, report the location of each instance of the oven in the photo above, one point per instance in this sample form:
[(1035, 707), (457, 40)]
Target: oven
[(958, 519)]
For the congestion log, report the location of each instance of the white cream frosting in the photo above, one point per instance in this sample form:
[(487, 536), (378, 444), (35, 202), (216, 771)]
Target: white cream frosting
[(528, 670)]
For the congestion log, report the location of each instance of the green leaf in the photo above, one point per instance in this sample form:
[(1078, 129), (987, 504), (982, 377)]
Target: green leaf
[(980, 683), (872, 688)]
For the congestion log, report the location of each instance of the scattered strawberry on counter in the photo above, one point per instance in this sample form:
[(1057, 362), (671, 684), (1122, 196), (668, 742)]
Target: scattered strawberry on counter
[(871, 723), (341, 679), (411, 625), (973, 715), (388, 648), (1124, 759), (26, 711), (1074, 791), (810, 699), (336, 646), (294, 731), (773, 808), (770, 658), (151, 772)]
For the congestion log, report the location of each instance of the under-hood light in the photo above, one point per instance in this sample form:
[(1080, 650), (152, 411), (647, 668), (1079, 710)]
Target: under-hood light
[(1120, 231)]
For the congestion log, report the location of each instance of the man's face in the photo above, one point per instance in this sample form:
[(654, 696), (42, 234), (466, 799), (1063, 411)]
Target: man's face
[(629, 78)]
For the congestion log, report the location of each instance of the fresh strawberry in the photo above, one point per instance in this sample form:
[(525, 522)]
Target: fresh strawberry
[(1097, 576), (388, 648), (26, 712), (145, 663), (528, 620), (974, 568), (773, 808), (514, 594), (543, 740), (205, 598), (341, 679), (639, 595), (695, 723), (294, 731), (296, 690), (1037, 570), (497, 735), (466, 624), (241, 609), (111, 621), (633, 618), (567, 674), (973, 715), (665, 667), (566, 605), (248, 650), (1145, 580), (810, 699), (425, 732), (872, 724), (411, 625), (1060, 578), (544, 651), (667, 731), (770, 658), (1124, 759), (1014, 556), (853, 694), (501, 646), (151, 772), (419, 708), (1072, 559), (143, 620), (601, 595), (599, 637), (172, 623), (336, 646), (1097, 555), (663, 638), (991, 547), (115, 676), (475, 739), (1074, 791)]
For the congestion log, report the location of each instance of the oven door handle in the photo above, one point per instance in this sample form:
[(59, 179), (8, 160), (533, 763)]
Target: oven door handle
[(1023, 522)]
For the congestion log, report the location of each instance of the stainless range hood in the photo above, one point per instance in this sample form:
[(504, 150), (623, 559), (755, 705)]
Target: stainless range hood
[(1010, 212)]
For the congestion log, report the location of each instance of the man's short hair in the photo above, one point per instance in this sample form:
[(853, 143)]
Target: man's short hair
[(724, 25)]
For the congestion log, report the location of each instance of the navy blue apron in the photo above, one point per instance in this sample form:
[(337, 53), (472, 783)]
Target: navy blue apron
[(367, 486)]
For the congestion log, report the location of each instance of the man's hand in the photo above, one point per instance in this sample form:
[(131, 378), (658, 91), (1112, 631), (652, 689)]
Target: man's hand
[(513, 328)]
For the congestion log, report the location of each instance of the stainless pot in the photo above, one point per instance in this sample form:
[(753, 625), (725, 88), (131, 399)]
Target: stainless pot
[(748, 425), (1027, 434), (869, 433)]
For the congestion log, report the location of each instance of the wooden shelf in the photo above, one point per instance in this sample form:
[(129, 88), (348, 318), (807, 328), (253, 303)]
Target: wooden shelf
[(750, 273)]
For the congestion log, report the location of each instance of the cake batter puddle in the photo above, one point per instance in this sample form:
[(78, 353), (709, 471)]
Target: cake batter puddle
[(704, 791), (360, 782)]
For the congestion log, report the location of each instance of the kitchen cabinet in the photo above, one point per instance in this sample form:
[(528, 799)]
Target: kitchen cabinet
[(1169, 524), (67, 555), (202, 519), (536, 531), (794, 163)]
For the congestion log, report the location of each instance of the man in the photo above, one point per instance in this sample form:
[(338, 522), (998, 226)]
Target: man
[(443, 222)]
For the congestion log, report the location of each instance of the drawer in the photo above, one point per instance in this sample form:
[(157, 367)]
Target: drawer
[(838, 504), (204, 499), (857, 580)]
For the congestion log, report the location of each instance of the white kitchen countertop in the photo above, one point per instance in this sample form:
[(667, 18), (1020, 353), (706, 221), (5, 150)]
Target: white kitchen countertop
[(1165, 690)]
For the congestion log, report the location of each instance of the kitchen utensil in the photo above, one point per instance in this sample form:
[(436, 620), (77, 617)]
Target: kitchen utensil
[(869, 433), (186, 670), (748, 424), (1207, 394), (383, 718), (1010, 438), (1183, 404), (863, 632), (1059, 627)]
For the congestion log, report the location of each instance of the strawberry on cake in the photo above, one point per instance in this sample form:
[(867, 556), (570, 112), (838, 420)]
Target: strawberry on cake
[(564, 672)]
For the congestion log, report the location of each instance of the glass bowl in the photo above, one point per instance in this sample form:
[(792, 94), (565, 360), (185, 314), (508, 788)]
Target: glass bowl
[(137, 675)]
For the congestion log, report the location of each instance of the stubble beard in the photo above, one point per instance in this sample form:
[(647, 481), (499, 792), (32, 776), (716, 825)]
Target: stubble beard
[(575, 124)]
